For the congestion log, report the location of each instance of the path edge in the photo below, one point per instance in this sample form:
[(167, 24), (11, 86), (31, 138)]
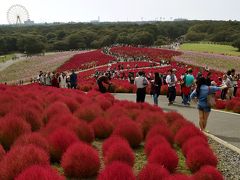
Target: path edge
[(222, 142)]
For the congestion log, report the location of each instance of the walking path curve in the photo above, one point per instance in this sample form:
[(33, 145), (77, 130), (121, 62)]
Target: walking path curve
[(223, 125)]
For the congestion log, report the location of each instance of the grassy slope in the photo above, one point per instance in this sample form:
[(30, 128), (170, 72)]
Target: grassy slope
[(7, 57), (210, 48), (26, 69)]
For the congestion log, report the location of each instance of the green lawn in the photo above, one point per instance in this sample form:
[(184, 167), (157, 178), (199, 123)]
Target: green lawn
[(211, 48), (4, 58)]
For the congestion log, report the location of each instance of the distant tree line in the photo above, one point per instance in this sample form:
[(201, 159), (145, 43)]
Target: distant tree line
[(41, 38)]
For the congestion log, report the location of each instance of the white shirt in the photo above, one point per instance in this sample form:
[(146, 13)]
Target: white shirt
[(139, 82), (169, 82)]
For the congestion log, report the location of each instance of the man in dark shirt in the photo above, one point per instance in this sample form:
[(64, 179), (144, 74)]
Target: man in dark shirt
[(73, 80)]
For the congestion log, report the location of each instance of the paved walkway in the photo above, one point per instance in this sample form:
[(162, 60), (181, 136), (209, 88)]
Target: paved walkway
[(224, 125)]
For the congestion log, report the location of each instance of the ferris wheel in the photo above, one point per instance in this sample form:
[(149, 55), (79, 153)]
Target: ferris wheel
[(17, 14)]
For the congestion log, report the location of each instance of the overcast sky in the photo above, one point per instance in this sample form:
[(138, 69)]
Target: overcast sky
[(124, 10)]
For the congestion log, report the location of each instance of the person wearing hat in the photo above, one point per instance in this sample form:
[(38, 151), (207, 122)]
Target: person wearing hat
[(171, 81)]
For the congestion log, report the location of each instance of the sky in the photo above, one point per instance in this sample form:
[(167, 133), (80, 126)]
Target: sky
[(124, 10)]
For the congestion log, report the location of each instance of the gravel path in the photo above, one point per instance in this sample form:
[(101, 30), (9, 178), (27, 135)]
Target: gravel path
[(229, 161)]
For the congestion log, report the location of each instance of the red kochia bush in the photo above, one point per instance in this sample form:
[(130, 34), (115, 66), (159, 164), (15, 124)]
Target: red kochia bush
[(33, 138), (161, 130), (59, 141), (80, 161), (20, 158), (102, 128), (103, 102), (82, 130), (236, 108), (151, 143), (2, 152), (164, 155), (88, 112), (153, 171), (187, 132), (119, 152), (112, 140), (208, 173), (178, 124), (39, 173), (179, 177), (11, 127), (194, 142), (55, 109), (220, 104), (130, 131), (200, 156), (31, 115), (150, 119), (117, 171)]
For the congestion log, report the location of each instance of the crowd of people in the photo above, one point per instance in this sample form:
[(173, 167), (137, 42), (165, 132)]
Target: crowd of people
[(59, 80)]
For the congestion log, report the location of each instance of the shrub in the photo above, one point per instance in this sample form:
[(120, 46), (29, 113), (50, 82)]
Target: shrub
[(178, 177), (117, 171), (131, 131), (150, 119), (2, 152), (119, 152), (172, 116), (111, 141), (83, 130), (161, 130), (11, 127), (55, 109), (59, 141), (164, 155), (80, 161), (103, 102), (178, 124), (34, 139), (39, 173), (20, 158), (193, 142), (102, 128), (187, 132), (88, 112), (31, 115), (151, 143), (200, 156), (153, 172), (208, 173), (71, 103), (220, 104), (230, 104), (236, 108)]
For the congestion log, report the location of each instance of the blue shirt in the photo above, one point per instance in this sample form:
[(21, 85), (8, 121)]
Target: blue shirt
[(204, 92)]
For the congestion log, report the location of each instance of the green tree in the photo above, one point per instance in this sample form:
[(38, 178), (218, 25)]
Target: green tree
[(236, 44), (31, 45)]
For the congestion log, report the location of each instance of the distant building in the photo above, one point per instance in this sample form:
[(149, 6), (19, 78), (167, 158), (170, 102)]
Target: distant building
[(180, 19), (28, 22)]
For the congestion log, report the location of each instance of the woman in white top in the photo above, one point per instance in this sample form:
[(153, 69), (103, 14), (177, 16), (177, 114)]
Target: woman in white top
[(62, 80)]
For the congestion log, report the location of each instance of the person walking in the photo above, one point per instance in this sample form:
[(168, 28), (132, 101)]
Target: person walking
[(188, 83), (73, 80), (156, 87), (141, 83), (171, 81), (201, 93)]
